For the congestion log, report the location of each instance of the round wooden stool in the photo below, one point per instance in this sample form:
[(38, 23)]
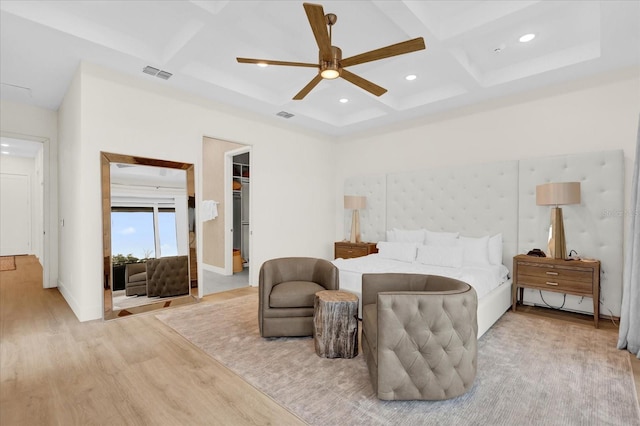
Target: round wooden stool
[(335, 324)]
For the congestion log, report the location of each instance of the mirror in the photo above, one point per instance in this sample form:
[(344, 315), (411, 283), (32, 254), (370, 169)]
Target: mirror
[(148, 209)]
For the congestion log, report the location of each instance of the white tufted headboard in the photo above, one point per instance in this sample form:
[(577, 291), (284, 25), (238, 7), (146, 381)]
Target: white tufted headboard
[(593, 228), (475, 200), (489, 198)]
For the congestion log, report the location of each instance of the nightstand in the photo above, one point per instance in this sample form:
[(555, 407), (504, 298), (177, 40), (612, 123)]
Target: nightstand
[(347, 250), (575, 277)]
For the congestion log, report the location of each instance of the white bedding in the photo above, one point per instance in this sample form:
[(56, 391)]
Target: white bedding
[(482, 278)]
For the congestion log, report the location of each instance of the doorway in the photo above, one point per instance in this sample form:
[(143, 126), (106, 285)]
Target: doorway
[(226, 237), (22, 214)]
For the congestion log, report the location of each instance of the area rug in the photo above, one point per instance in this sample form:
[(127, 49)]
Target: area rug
[(531, 371), (7, 263)]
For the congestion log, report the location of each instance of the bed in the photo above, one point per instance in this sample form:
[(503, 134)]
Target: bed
[(474, 260), (472, 202)]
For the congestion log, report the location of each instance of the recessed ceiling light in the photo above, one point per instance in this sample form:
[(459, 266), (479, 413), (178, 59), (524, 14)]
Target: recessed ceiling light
[(262, 65), (344, 100), (5, 152), (527, 37), (5, 144), (411, 77)]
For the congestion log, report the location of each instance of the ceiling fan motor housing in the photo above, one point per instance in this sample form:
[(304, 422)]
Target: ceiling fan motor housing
[(331, 69)]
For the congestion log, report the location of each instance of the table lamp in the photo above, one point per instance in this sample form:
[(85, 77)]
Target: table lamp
[(355, 202), (557, 194)]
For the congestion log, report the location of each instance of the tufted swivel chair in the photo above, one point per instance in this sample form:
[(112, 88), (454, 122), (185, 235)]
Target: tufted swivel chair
[(287, 288), (419, 335), (168, 276)]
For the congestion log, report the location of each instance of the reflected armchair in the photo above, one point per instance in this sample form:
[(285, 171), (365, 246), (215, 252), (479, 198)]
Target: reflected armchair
[(135, 279), (168, 276), (287, 287)]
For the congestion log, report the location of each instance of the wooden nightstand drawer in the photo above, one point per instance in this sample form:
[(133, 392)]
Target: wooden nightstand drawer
[(553, 283), (555, 272), (348, 250)]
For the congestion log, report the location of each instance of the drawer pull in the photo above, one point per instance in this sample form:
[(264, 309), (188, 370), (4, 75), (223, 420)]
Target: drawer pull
[(550, 283), (551, 273)]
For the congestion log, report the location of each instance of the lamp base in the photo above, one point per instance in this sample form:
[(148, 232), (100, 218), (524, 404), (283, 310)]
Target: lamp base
[(355, 227), (557, 244)]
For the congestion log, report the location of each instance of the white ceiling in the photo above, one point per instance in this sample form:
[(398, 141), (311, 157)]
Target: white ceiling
[(43, 42)]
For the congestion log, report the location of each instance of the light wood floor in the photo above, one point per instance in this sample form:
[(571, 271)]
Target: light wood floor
[(131, 371)]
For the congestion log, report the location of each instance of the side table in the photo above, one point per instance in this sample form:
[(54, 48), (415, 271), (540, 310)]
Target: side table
[(335, 324), (577, 277)]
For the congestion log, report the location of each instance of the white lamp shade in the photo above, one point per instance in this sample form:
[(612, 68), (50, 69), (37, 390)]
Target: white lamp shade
[(558, 193), (355, 202)]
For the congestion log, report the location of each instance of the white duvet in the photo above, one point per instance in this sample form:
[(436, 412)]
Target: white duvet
[(482, 278)]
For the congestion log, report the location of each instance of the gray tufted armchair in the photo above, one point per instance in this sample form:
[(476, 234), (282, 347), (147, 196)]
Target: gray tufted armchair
[(168, 276), (419, 335), (287, 288)]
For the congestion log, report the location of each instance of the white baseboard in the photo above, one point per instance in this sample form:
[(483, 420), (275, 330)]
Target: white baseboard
[(83, 313)]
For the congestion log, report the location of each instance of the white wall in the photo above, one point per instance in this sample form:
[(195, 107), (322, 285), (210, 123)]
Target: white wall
[(73, 207), (585, 116), (292, 172), (38, 124)]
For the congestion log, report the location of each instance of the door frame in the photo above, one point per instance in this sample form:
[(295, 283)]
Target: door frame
[(228, 209), (47, 242)]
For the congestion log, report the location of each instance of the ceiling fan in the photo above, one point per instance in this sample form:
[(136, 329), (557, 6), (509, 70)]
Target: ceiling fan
[(330, 64)]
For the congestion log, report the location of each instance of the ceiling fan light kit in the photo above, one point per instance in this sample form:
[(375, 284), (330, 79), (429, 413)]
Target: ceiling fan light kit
[(331, 69), (330, 64)]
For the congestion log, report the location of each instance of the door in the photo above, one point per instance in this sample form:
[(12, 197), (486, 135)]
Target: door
[(15, 215)]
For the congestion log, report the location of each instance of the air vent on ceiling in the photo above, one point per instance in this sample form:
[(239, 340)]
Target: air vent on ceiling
[(284, 114), (164, 75), (158, 73)]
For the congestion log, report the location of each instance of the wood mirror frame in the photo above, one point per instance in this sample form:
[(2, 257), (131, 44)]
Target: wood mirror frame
[(106, 159)]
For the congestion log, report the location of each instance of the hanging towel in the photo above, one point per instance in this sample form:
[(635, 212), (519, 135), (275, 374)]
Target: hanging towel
[(209, 210)]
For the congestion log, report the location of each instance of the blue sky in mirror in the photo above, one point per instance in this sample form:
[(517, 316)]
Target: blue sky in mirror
[(132, 233)]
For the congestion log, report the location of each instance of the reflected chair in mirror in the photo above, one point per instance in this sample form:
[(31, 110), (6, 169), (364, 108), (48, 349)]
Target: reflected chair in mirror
[(135, 279), (168, 276), (419, 335), (287, 288)]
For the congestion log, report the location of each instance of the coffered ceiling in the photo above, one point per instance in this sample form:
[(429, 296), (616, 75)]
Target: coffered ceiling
[(473, 52)]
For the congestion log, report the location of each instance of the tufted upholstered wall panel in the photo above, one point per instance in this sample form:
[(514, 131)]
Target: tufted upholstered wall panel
[(593, 228), (474, 200), (372, 219), (500, 197)]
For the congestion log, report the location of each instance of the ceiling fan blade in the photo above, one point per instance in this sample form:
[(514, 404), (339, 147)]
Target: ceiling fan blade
[(305, 91), (270, 62), (362, 83), (385, 52), (315, 14)]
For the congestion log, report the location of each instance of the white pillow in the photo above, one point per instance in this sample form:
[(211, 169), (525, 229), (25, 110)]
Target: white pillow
[(449, 256), (441, 238), (495, 249), (405, 252), (475, 250), (406, 236)]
